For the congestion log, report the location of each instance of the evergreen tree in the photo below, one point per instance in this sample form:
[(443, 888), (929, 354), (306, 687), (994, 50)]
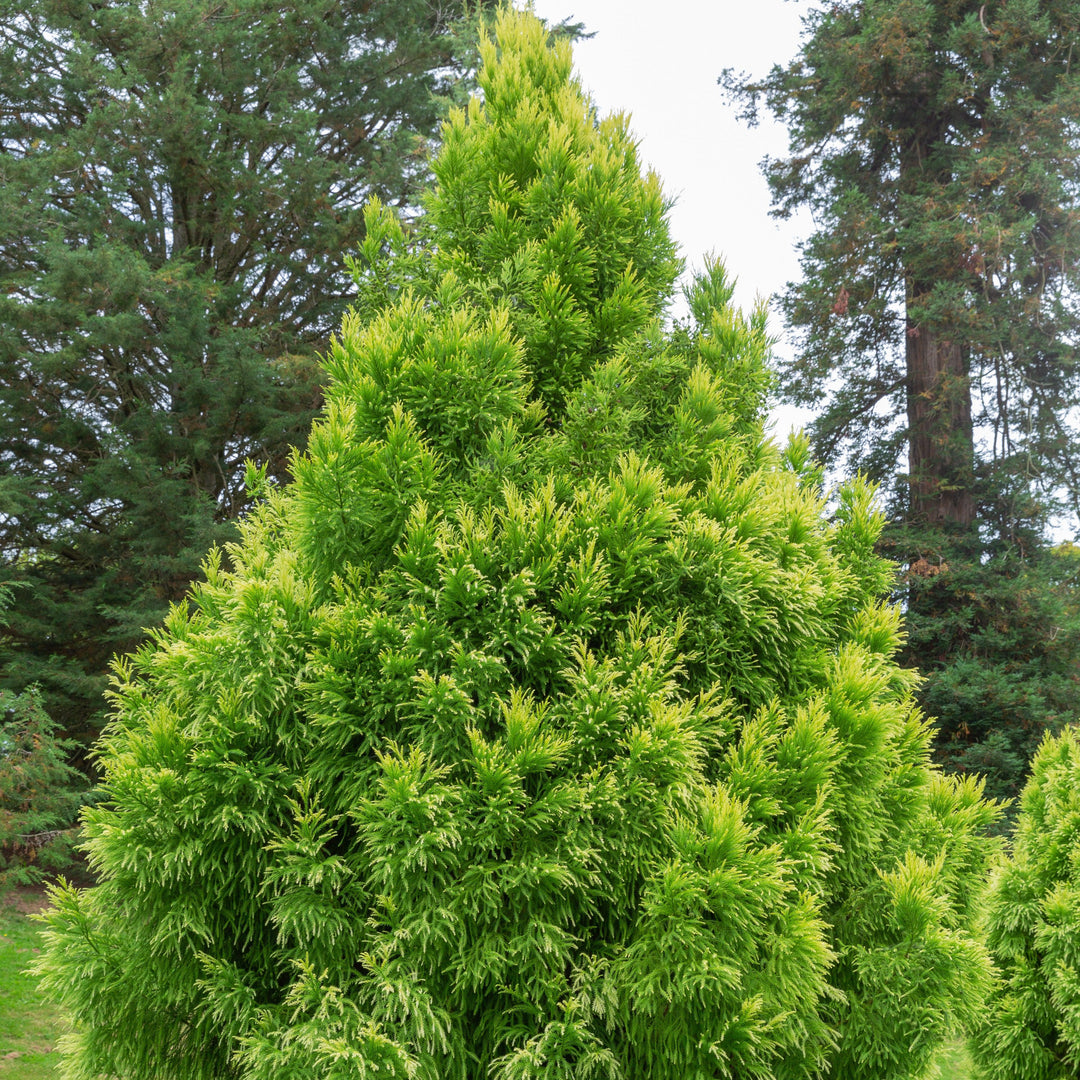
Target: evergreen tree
[(998, 639), (179, 183), (935, 143), (544, 725), (40, 793), (1031, 1030)]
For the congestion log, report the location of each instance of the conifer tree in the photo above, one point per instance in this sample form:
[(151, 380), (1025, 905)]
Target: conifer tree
[(935, 143), (40, 793), (1031, 1030), (544, 725)]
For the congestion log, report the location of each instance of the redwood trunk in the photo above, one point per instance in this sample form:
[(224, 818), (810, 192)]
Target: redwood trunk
[(941, 449)]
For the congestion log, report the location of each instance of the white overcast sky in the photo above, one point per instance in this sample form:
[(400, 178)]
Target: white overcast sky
[(659, 62)]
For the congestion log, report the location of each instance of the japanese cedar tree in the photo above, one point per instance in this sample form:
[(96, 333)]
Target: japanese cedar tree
[(545, 725), (1031, 1030)]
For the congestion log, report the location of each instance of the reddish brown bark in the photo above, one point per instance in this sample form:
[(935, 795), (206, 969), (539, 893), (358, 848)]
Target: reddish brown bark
[(941, 450)]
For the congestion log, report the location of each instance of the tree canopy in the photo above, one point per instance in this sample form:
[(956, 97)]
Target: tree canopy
[(545, 724), (935, 143), (180, 183)]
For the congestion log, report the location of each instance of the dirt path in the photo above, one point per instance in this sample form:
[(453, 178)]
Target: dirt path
[(27, 899)]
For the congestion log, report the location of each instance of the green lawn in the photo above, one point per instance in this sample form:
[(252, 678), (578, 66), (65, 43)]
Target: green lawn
[(28, 1027), (954, 1061)]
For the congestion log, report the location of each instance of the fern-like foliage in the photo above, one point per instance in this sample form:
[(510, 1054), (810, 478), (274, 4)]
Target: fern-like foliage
[(1031, 1030), (547, 724)]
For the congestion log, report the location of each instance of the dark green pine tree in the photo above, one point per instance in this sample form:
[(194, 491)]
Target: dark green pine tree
[(545, 726), (179, 185), (938, 322)]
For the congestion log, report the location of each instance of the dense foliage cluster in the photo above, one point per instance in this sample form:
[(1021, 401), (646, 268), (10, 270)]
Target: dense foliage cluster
[(40, 793), (179, 184), (545, 725), (1032, 1029), (997, 640)]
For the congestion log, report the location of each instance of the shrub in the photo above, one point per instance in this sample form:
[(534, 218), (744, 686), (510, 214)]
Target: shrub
[(1031, 1030), (40, 793), (545, 724)]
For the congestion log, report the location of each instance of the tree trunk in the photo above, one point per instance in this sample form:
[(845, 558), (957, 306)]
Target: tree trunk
[(941, 449)]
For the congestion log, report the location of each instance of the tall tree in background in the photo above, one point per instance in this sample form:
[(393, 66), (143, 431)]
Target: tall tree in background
[(178, 184), (936, 144)]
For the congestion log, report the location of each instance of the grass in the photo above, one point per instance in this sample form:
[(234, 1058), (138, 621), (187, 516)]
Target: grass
[(954, 1061), (29, 1028)]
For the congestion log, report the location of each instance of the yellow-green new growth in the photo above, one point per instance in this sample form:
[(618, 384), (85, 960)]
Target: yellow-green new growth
[(545, 725)]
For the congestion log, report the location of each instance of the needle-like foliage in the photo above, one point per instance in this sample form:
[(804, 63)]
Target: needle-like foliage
[(1032, 1029), (545, 725)]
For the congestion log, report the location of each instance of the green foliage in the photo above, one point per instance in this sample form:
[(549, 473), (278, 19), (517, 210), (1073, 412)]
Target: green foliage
[(997, 639), (40, 793), (179, 183), (1031, 1030), (954, 1061), (545, 725)]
